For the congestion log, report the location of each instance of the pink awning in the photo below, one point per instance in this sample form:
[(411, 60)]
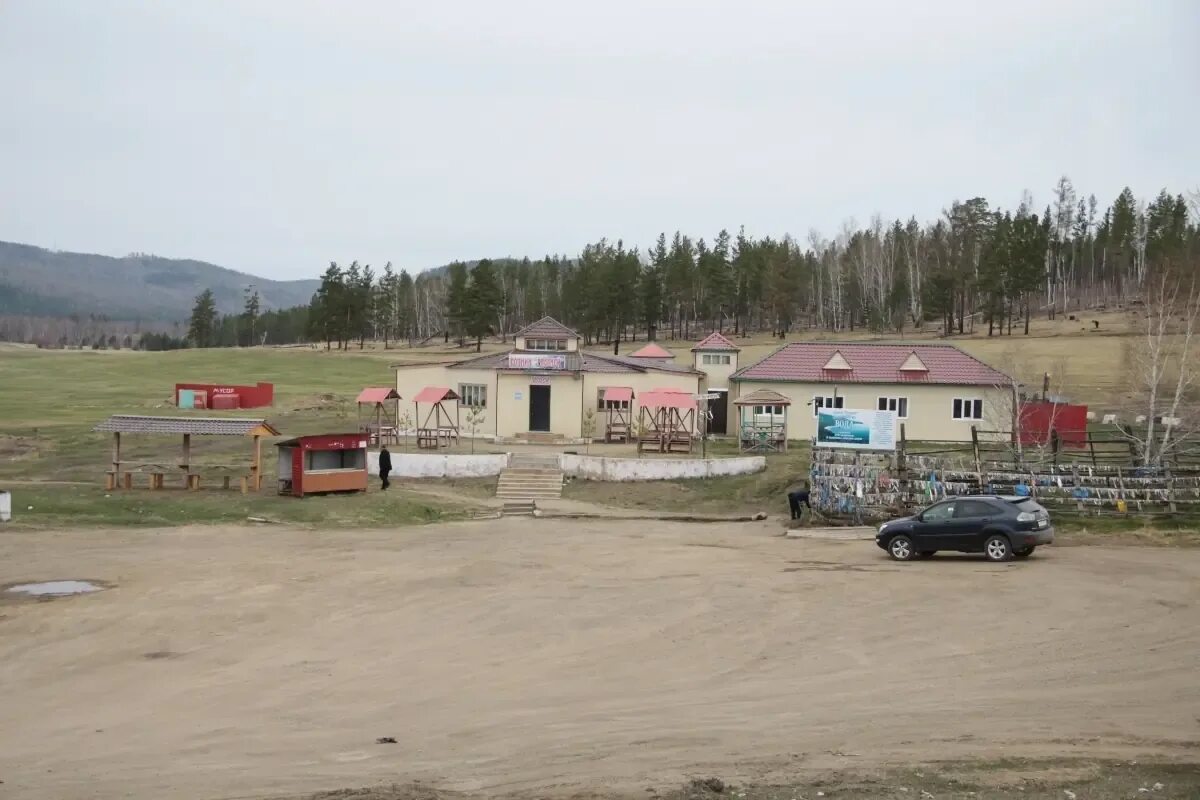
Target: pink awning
[(377, 394), (667, 398), (434, 394), (618, 394)]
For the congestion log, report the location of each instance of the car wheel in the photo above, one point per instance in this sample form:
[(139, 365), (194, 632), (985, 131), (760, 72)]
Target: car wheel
[(1026, 553), (926, 553), (902, 548), (997, 548)]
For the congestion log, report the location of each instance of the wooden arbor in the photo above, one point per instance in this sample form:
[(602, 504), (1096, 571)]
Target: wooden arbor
[(762, 422), (439, 429), (382, 424), (618, 405), (666, 421), (120, 475)]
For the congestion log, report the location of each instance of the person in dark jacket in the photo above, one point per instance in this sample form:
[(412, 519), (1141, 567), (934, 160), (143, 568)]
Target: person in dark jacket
[(795, 498), (385, 466)]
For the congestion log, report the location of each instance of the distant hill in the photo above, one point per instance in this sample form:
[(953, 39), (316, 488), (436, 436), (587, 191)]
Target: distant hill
[(50, 283)]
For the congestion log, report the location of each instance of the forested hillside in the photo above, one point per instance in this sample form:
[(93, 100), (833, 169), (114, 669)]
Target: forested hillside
[(48, 283), (977, 264)]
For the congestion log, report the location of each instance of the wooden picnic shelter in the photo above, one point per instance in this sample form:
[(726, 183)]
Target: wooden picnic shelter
[(438, 429), (618, 403), (666, 421), (762, 422), (121, 471), (382, 417)]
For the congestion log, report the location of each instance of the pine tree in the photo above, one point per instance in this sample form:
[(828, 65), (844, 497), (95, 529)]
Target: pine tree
[(203, 323), (483, 302), (456, 301), (250, 317)]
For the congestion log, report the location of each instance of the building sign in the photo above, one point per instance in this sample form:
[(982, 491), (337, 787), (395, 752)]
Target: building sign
[(536, 361), (857, 430)]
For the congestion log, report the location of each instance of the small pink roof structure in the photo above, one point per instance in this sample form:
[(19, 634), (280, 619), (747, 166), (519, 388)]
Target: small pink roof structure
[(621, 394), (652, 350), (377, 394), (667, 398), (434, 394), (715, 342)]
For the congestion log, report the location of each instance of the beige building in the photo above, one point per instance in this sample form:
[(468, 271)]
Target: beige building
[(937, 391), (545, 386)]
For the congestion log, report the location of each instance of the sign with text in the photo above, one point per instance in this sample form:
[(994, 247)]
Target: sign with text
[(536, 361), (857, 430)]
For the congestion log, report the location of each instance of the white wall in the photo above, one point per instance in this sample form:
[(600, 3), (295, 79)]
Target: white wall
[(421, 465), (599, 468)]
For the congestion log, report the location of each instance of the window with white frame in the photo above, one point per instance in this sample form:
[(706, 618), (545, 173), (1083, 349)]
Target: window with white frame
[(820, 403), (897, 404), (715, 358), (545, 344), (605, 405), (768, 411), (967, 408), (472, 395)]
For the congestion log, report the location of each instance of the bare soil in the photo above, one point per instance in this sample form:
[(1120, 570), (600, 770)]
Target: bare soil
[(552, 658)]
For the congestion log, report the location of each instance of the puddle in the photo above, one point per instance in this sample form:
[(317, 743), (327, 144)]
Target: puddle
[(55, 588)]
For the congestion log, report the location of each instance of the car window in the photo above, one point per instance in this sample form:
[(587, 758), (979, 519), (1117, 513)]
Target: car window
[(973, 508), (938, 513)]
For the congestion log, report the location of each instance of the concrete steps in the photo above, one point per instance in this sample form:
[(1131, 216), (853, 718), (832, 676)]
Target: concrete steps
[(519, 509), (530, 477)]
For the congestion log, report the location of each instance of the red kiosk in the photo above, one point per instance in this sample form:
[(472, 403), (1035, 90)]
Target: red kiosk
[(334, 462)]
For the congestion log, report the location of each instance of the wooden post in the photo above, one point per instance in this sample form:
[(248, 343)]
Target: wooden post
[(187, 460), (256, 467), (1092, 445), (1170, 487), (116, 460), (902, 468)]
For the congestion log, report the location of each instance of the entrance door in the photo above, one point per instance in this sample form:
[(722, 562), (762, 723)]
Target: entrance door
[(539, 408), (719, 408)]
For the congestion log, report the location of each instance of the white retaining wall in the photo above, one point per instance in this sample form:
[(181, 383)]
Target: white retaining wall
[(430, 465), (599, 468)]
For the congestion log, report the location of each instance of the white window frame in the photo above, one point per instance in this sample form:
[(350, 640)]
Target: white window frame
[(472, 395), (716, 359), (893, 404), (768, 411), (973, 406), (820, 402), (548, 345), (605, 405)]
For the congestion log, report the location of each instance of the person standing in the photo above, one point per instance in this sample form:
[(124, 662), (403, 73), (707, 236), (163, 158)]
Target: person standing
[(796, 497), (385, 466)]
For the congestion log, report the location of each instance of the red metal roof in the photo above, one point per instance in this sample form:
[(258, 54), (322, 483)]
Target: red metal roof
[(715, 341), (377, 394), (622, 394), (434, 394), (872, 363), (651, 350), (667, 398)]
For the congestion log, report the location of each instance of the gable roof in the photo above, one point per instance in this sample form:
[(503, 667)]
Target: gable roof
[(869, 362), (763, 397), (837, 361), (652, 350), (435, 394), (913, 363), (715, 341), (377, 394), (583, 361), (547, 328)]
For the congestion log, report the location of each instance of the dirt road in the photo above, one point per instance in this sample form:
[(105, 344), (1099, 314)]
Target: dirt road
[(566, 657)]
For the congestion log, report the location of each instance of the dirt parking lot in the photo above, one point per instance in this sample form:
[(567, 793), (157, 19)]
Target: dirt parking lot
[(571, 657)]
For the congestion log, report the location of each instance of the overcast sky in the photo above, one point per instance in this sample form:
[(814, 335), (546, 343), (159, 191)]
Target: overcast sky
[(273, 137)]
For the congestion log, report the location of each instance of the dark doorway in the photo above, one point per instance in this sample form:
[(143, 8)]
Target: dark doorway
[(719, 408), (539, 408)]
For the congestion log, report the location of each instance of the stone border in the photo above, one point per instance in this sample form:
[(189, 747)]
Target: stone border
[(603, 468), (450, 465)]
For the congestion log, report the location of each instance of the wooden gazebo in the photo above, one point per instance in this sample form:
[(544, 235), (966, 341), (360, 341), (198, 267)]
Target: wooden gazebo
[(380, 422), (120, 475), (618, 406), (666, 421), (438, 429), (762, 422)]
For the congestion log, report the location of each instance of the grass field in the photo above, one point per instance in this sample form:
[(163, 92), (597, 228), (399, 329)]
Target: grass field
[(50, 400)]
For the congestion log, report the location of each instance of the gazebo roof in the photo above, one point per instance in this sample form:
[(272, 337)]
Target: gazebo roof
[(377, 394), (763, 397), (434, 394), (667, 398), (200, 426)]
